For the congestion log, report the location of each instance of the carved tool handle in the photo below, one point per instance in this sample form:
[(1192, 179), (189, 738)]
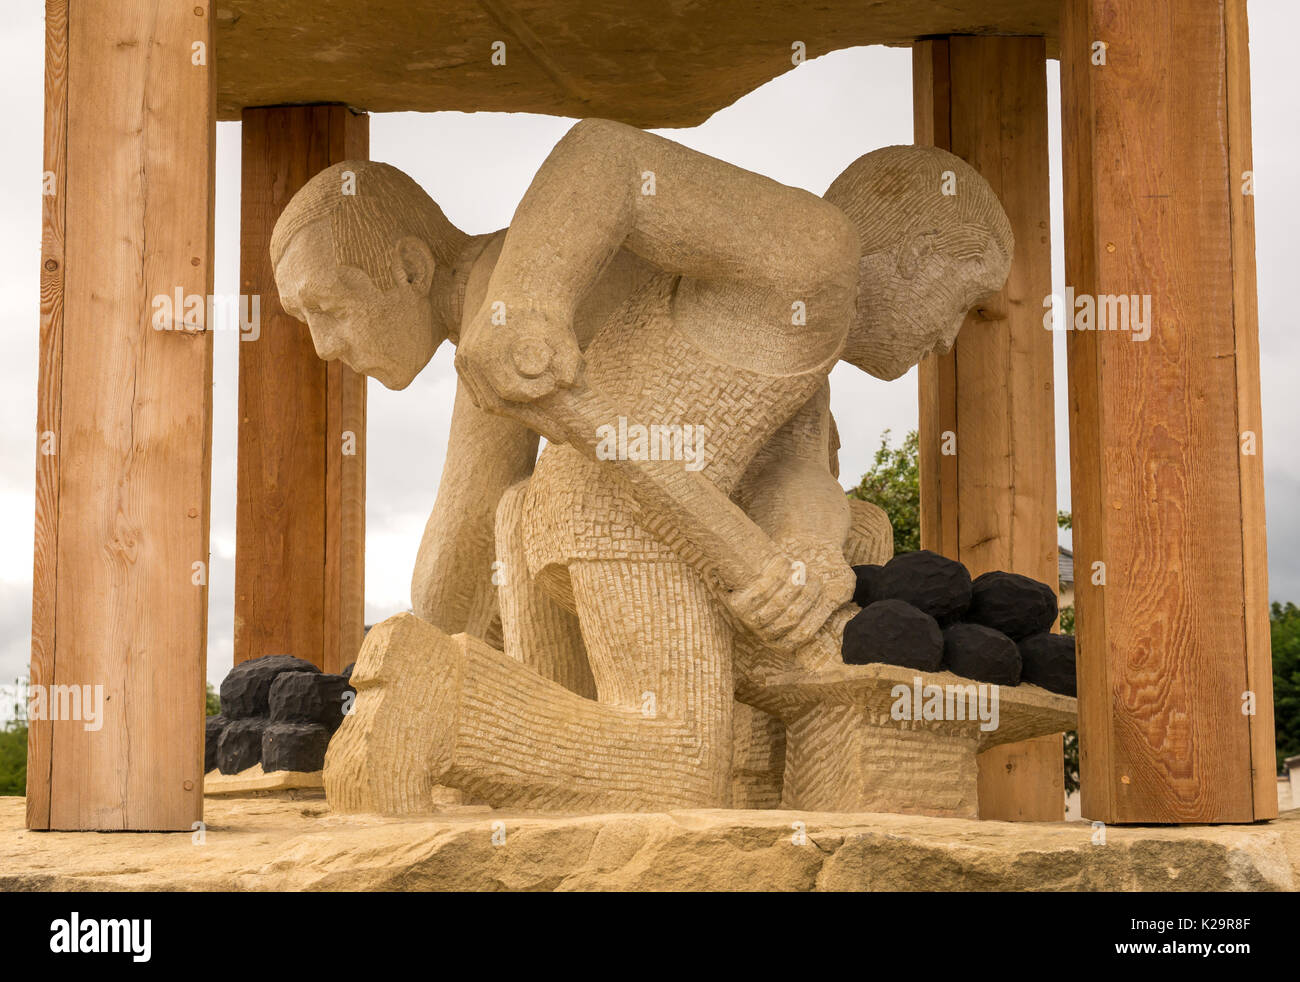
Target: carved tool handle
[(733, 549), (728, 548)]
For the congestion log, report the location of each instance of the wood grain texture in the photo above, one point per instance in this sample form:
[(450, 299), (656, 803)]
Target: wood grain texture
[(1023, 782), (48, 405), (300, 516), (1162, 494), (1254, 540), (125, 517), (936, 374), (992, 505)]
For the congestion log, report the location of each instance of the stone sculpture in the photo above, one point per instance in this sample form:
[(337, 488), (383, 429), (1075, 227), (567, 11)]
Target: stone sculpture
[(667, 321)]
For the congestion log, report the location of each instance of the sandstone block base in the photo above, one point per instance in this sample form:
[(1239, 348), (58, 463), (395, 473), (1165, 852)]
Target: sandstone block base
[(272, 844)]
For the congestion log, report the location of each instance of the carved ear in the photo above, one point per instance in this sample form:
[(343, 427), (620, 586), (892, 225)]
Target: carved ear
[(413, 264), (914, 251)]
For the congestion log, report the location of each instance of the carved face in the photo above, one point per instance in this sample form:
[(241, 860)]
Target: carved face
[(913, 301), (389, 334)]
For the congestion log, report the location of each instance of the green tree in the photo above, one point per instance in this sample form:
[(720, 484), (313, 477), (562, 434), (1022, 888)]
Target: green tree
[(1284, 624), (892, 484), (13, 744), (212, 702), (13, 758)]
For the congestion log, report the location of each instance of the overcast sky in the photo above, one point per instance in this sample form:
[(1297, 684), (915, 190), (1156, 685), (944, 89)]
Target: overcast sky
[(802, 129)]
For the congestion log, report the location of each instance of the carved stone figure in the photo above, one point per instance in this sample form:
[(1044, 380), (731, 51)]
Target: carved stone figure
[(667, 321)]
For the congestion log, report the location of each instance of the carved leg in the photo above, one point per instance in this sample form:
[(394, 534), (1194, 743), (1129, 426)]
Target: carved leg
[(535, 629), (657, 641), (386, 755), (433, 709)]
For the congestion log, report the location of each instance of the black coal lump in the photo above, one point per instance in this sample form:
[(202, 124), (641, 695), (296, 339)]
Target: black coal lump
[(864, 593), (1013, 604), (974, 651), (246, 691), (347, 672), (1048, 660), (934, 584), (294, 747), (240, 746), (895, 633), (211, 738), (309, 697)]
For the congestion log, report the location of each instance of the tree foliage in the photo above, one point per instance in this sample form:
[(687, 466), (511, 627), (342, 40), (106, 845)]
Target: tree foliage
[(13, 758), (1285, 632), (892, 484)]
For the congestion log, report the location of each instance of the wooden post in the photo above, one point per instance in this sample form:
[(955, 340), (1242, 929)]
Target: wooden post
[(986, 436), (124, 417), (300, 520), (1165, 432)]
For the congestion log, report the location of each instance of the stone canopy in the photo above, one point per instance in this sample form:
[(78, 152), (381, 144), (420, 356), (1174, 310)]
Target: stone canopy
[(647, 64)]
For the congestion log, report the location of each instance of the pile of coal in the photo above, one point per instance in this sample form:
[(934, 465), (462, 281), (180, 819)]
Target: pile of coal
[(864, 594), (974, 651), (211, 737), (933, 584), (1048, 660), (246, 691), (895, 633), (1013, 604), (240, 746), (278, 711), (922, 611), (294, 747)]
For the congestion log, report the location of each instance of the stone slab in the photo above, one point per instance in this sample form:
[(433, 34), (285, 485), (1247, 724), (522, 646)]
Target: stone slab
[(276, 844), (659, 64), (254, 779)]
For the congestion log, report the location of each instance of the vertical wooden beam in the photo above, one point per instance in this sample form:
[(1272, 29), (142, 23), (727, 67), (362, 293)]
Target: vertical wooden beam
[(992, 504), (1254, 539), (1156, 133), (936, 376), (48, 404), (300, 520), (124, 418)]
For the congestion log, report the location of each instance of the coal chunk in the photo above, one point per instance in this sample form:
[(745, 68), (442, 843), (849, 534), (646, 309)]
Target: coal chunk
[(1013, 604), (240, 746), (309, 697), (934, 584), (1048, 660), (211, 738), (246, 691), (864, 593), (294, 747), (347, 672), (974, 651), (895, 633)]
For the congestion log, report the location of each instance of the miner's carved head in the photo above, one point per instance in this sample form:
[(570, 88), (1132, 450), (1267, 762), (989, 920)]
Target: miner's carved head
[(365, 257), (934, 242)]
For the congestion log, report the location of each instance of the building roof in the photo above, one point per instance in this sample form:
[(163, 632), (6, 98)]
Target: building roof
[(1065, 566), (672, 63)]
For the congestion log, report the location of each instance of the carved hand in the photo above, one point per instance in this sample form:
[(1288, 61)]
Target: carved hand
[(788, 603), (517, 352)]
